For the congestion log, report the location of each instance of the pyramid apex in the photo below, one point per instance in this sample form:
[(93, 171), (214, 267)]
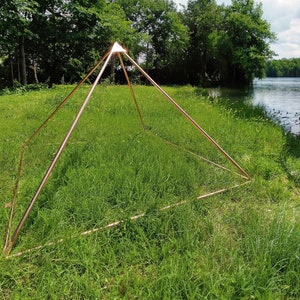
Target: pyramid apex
[(117, 48)]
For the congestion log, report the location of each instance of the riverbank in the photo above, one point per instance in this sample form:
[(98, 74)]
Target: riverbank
[(279, 97), (243, 243)]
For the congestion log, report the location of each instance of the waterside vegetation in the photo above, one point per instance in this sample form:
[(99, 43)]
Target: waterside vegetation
[(283, 68), (243, 244)]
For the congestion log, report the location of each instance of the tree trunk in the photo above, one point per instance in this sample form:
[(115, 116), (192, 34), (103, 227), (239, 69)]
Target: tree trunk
[(11, 65), (34, 68), (23, 62), (19, 72)]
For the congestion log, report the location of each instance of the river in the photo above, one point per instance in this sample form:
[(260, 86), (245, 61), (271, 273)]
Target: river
[(280, 97)]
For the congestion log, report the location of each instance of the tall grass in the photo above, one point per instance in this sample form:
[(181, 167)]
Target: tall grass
[(240, 245)]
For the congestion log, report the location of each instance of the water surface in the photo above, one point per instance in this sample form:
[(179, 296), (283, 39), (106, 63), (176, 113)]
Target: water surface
[(280, 97)]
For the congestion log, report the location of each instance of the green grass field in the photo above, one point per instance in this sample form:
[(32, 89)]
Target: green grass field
[(242, 244)]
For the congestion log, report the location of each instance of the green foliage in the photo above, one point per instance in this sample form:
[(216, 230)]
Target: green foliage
[(163, 38), (206, 44), (283, 68), (18, 88), (202, 19), (15, 17), (77, 34), (241, 244), (15, 21), (230, 45)]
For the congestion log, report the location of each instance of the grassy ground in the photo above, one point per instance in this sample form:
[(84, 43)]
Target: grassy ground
[(243, 244)]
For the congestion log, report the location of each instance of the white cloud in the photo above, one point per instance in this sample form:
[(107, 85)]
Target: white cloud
[(288, 44), (284, 18), (181, 2)]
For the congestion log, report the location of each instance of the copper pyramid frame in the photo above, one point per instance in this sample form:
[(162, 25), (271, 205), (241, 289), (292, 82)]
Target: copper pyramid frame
[(119, 51)]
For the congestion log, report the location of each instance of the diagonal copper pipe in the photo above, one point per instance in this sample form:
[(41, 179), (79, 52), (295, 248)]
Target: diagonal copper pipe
[(189, 118), (27, 142), (116, 223), (131, 90), (201, 157), (15, 235)]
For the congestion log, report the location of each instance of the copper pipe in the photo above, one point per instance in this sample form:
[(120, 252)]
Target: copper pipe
[(116, 223), (189, 118), (117, 49), (67, 98), (27, 142), (13, 203), (131, 91), (201, 157), (57, 156)]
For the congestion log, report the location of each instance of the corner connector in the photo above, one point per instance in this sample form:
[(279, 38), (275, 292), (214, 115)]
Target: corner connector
[(117, 48)]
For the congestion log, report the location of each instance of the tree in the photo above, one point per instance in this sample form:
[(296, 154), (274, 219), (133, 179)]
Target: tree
[(283, 68), (202, 19), (74, 34), (15, 17), (242, 46), (162, 37), (206, 44), (229, 44)]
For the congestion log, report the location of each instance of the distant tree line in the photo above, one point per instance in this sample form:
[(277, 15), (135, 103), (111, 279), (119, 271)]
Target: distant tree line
[(283, 68), (56, 41)]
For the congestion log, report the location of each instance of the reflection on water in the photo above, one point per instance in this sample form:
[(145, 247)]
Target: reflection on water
[(279, 96)]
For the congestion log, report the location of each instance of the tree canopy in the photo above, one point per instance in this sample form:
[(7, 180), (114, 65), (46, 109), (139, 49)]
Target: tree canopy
[(57, 41), (283, 68)]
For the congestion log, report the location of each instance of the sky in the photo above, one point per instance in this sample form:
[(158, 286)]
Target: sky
[(284, 18)]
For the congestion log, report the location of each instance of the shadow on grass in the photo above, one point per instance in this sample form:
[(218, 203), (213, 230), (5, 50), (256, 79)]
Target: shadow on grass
[(290, 159), (292, 145)]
